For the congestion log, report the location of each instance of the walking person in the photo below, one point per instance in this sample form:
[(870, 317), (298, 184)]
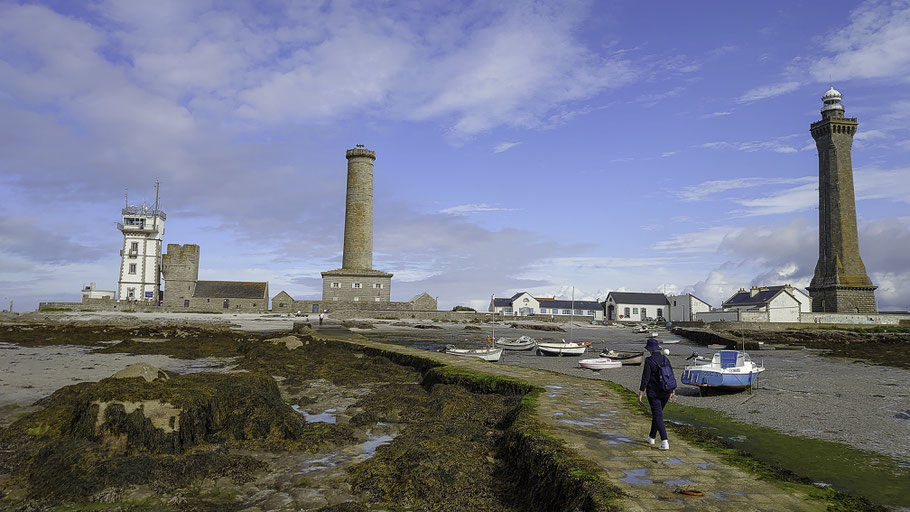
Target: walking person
[(321, 317), (658, 381)]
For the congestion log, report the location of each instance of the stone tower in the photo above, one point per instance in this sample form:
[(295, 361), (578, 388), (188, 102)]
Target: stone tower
[(180, 269), (358, 217), (840, 284), (356, 280)]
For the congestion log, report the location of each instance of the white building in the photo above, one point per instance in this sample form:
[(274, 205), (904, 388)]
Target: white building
[(92, 292), (683, 308), (140, 257), (524, 304), (636, 307), (782, 303)]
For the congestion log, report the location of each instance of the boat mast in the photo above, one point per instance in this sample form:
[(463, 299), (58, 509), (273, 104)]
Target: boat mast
[(492, 322)]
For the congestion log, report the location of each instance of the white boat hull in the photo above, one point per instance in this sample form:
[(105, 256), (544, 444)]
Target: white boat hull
[(599, 364), (561, 349), (522, 343), (487, 354)]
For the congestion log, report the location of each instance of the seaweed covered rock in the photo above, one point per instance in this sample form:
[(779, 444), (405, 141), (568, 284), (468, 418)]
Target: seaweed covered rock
[(134, 416), (144, 370)]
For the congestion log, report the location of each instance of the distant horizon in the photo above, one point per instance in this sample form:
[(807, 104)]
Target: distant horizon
[(523, 147)]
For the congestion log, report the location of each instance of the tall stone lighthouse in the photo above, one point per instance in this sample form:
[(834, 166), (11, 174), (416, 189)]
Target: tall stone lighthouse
[(356, 281), (840, 284)]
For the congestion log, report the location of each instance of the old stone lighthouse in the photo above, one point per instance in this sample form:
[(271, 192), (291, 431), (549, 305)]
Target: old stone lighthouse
[(356, 280), (840, 284)]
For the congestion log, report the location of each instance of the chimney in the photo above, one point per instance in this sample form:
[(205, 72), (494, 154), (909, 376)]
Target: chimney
[(754, 291)]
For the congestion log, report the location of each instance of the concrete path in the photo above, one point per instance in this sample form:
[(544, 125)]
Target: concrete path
[(595, 422)]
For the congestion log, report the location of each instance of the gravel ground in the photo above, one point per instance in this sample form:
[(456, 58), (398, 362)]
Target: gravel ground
[(801, 392)]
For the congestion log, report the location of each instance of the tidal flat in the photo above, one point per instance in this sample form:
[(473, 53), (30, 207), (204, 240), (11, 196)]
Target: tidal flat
[(240, 421)]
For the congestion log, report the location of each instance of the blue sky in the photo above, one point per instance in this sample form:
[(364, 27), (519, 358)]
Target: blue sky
[(523, 146)]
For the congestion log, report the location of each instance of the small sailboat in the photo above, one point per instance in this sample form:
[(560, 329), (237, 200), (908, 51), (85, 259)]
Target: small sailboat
[(625, 358), (566, 348), (487, 354), (521, 343), (561, 349), (728, 369), (491, 353), (599, 364)]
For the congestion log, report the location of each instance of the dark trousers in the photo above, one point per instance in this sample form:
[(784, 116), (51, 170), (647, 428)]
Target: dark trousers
[(657, 404)]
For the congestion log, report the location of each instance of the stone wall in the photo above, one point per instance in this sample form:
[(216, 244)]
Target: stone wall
[(853, 319)]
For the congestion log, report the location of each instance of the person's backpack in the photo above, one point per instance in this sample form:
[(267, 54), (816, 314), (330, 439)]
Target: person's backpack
[(667, 379)]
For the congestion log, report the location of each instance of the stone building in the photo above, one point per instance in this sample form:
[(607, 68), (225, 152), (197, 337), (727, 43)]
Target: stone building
[(840, 284), (184, 291)]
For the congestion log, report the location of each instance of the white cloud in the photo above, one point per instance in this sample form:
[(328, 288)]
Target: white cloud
[(668, 153), (767, 91), (867, 135), (707, 240), (465, 209), (776, 146), (504, 146), (708, 188), (717, 114), (876, 44)]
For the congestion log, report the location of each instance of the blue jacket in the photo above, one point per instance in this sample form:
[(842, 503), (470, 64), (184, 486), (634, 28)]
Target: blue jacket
[(650, 375)]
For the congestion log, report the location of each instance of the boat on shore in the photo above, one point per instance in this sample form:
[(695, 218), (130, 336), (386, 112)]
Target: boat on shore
[(491, 354), (521, 343), (728, 369), (717, 346), (624, 358), (668, 341), (561, 349), (598, 364)]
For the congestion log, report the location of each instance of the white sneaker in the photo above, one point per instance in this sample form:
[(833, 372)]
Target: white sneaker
[(664, 445), (652, 441)]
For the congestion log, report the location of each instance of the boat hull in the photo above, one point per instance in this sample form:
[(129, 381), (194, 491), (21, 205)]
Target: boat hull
[(522, 343), (560, 349), (710, 378), (487, 354), (598, 364), (625, 358)]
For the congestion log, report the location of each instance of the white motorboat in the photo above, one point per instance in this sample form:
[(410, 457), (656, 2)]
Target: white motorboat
[(522, 343), (668, 341), (728, 369), (561, 349), (487, 354), (598, 364)]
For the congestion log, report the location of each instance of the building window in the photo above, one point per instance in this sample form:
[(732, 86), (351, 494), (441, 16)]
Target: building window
[(238, 306), (507, 310), (132, 268), (634, 311), (134, 247), (334, 298), (565, 311), (356, 299), (377, 285), (186, 303), (626, 312), (281, 304), (336, 285), (208, 300), (674, 302), (376, 299), (357, 285), (591, 313), (543, 310), (130, 293)]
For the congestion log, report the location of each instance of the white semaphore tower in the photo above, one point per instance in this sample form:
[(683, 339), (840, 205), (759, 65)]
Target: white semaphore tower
[(140, 257)]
